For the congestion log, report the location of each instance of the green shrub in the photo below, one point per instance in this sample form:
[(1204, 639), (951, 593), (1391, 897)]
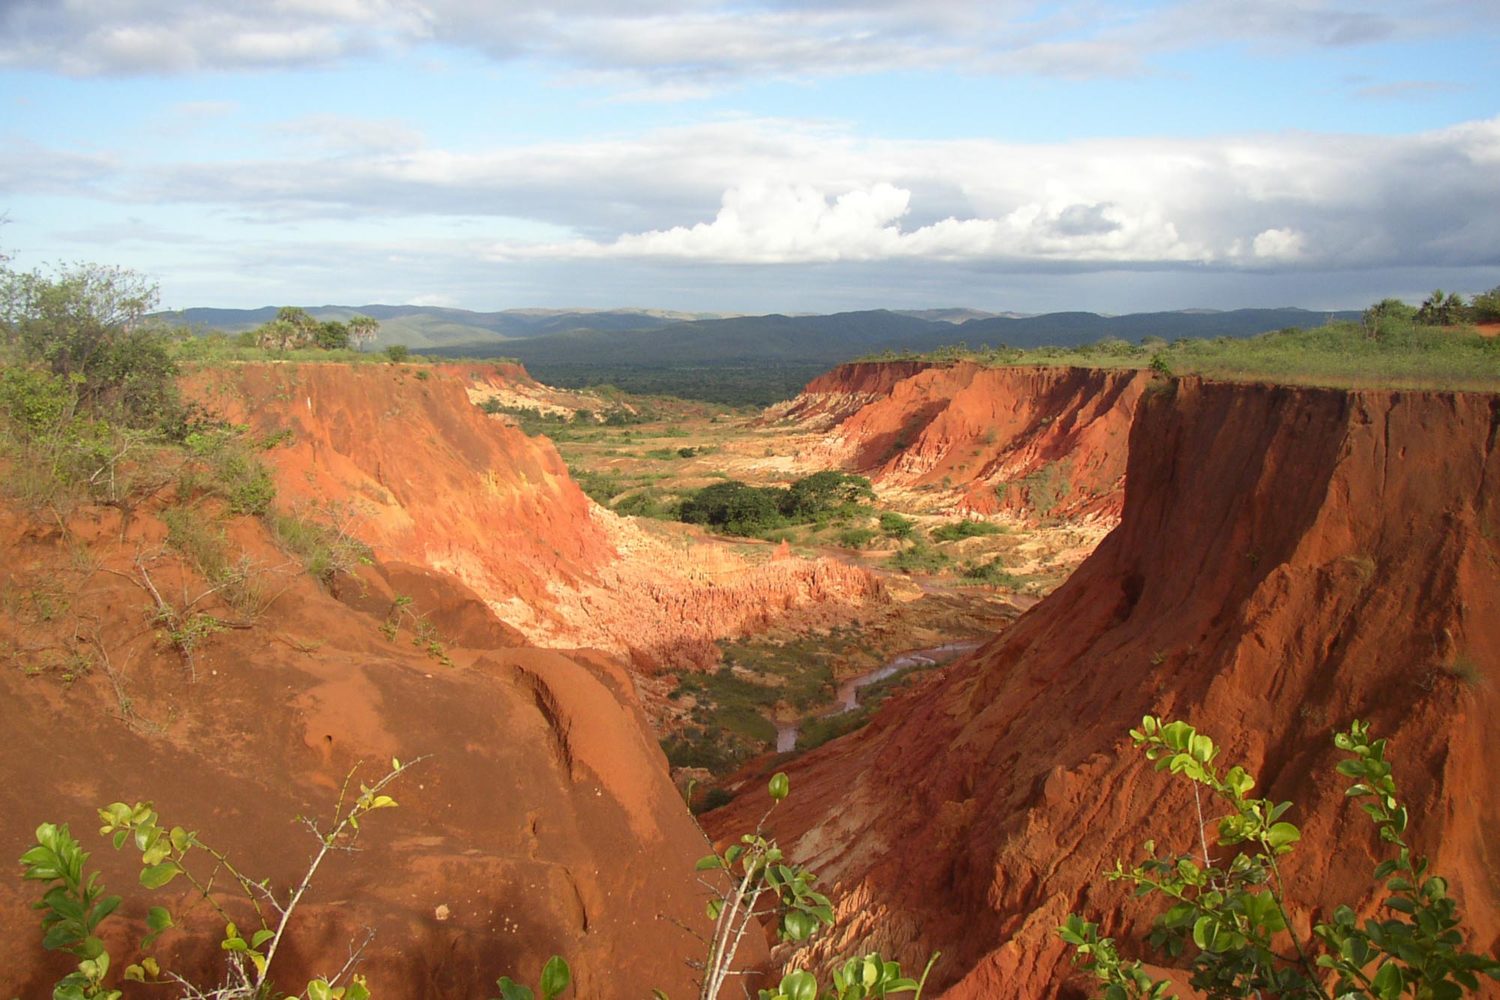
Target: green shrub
[(895, 525), (648, 502), (1485, 306), (823, 493), (992, 573), (201, 542), (232, 470), (856, 538), (73, 904), (1234, 913), (322, 539), (968, 528), (734, 507), (918, 558)]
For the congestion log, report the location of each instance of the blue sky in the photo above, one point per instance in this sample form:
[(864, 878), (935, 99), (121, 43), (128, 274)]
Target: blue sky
[(758, 155)]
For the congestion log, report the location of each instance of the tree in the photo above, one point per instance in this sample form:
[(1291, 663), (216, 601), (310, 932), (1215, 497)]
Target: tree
[(362, 330), (733, 506), (1486, 306), (1385, 313), (1440, 309), (293, 327), (331, 336), (87, 324), (823, 491)]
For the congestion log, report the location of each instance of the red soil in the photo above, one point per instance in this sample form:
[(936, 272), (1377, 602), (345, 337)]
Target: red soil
[(1287, 560), (542, 821)]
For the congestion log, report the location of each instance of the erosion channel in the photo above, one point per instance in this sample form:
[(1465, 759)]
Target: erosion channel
[(847, 699)]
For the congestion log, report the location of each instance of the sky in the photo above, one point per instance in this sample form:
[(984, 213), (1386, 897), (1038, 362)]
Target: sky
[(758, 155)]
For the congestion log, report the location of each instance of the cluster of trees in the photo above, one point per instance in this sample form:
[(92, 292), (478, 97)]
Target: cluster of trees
[(1438, 309), (293, 328), (740, 509)]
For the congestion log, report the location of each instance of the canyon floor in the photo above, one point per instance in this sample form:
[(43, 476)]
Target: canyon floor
[(646, 454)]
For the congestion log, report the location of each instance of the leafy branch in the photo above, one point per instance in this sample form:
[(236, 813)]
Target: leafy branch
[(1234, 914)]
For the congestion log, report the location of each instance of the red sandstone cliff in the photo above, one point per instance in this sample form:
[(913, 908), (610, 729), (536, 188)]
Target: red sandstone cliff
[(1287, 560), (1030, 441)]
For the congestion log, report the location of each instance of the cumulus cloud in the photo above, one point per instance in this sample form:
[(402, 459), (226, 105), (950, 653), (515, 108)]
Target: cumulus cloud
[(686, 44), (788, 192), (1277, 244)]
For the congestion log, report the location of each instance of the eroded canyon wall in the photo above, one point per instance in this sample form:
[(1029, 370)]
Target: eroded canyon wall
[(1287, 560), (429, 479), (1034, 442)]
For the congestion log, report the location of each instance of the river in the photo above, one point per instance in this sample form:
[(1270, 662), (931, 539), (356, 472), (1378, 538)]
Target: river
[(847, 697)]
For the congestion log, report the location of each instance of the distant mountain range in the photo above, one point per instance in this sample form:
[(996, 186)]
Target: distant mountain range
[(642, 338)]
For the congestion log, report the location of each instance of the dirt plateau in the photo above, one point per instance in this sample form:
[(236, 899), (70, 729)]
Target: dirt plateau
[(1287, 560)]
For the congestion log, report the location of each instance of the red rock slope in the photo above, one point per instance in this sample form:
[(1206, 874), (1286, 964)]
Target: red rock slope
[(434, 482), (1030, 441), (1288, 559), (543, 819)]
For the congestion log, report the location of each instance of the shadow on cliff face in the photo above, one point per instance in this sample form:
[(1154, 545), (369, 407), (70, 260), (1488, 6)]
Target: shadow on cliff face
[(1287, 560)]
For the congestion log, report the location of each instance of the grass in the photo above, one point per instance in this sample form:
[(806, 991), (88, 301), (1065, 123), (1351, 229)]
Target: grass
[(1340, 354)]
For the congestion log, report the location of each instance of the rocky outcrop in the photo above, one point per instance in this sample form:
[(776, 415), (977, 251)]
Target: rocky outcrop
[(1287, 560), (1031, 442)]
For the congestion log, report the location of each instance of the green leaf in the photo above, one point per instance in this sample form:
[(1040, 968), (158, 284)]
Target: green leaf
[(1281, 836), (510, 990), (555, 977), (261, 936), (798, 926), (319, 989), (1202, 932), (157, 876), (710, 862), (1388, 982), (799, 985)]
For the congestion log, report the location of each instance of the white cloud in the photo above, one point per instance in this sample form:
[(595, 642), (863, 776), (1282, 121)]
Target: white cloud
[(788, 192), (694, 42), (1277, 244)]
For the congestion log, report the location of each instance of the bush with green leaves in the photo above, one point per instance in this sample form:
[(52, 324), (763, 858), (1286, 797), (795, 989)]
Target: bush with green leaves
[(74, 904), (895, 525), (740, 509), (1485, 306), (918, 557), (967, 528), (1232, 915), (87, 325)]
